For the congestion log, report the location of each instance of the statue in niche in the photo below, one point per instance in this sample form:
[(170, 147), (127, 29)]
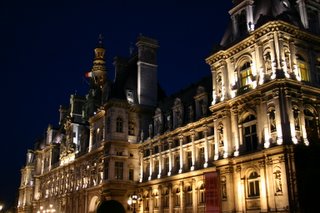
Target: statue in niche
[(272, 121), (191, 113), (179, 117), (169, 122), (296, 119), (277, 179), (150, 130), (268, 63), (287, 59), (219, 85), (220, 136), (141, 136), (204, 107)]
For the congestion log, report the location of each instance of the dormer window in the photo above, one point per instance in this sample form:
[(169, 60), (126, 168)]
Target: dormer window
[(245, 74), (242, 23), (303, 68), (119, 125)]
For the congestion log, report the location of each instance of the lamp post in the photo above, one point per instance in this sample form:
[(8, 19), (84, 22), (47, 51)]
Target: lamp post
[(1, 207), (132, 200)]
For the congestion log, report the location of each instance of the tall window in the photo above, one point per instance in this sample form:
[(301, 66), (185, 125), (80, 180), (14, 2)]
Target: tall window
[(311, 127), (242, 23), (131, 128), (156, 167), (189, 196), (253, 185), (177, 197), (118, 170), (245, 74), (189, 159), (201, 194), (177, 162), (166, 164), (201, 156), (250, 133), (166, 199), (131, 174), (303, 68), (119, 125)]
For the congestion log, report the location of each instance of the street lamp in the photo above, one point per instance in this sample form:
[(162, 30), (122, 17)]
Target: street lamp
[(1, 207), (133, 200)]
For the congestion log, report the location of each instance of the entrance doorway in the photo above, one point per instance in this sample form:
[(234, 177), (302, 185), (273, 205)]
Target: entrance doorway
[(110, 206)]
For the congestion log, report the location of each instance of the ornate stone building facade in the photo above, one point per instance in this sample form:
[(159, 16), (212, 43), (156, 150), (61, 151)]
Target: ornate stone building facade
[(245, 139)]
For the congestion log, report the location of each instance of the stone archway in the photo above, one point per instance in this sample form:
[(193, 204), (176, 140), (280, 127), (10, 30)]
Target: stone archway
[(111, 206)]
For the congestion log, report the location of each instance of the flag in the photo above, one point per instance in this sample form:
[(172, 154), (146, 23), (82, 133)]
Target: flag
[(89, 74)]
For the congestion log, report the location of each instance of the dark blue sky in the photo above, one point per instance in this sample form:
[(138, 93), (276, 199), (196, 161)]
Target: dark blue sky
[(47, 47)]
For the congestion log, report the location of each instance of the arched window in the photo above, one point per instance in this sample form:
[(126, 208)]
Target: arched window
[(250, 133), (119, 125), (166, 199), (201, 194), (245, 74), (189, 196), (253, 185), (177, 197), (303, 68)]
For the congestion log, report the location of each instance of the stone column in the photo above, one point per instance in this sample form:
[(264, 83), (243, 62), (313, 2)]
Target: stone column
[(193, 151), (170, 157), (235, 130), (182, 194), (277, 103), (141, 165), (181, 153), (91, 138), (216, 140), (206, 148), (151, 164), (160, 161), (263, 189)]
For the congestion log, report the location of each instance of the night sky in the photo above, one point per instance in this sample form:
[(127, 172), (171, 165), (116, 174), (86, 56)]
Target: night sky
[(47, 46)]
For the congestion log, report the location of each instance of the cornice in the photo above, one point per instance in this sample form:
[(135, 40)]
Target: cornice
[(273, 26)]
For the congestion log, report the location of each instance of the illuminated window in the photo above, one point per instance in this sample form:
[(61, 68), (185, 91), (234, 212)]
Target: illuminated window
[(118, 170), (303, 68), (250, 133), (253, 185), (245, 74), (119, 125)]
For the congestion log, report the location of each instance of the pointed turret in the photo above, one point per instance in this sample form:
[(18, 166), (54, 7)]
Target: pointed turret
[(98, 72)]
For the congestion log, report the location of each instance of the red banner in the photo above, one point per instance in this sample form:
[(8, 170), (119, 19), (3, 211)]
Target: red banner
[(212, 192)]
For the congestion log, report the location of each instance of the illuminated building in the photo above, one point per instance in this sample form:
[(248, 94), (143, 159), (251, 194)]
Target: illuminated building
[(242, 140)]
